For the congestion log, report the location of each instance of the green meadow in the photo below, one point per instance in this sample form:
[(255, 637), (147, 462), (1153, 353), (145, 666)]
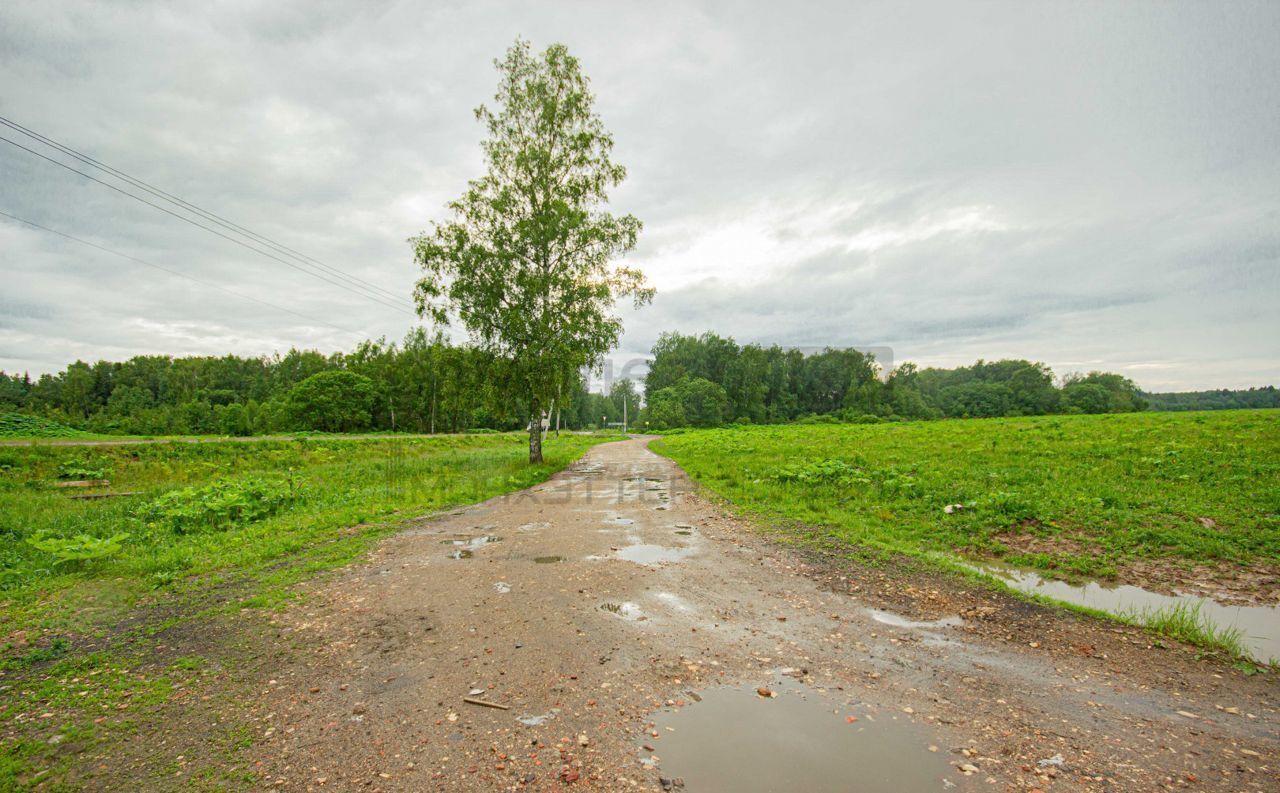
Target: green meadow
[(1075, 495), (90, 587), (233, 507)]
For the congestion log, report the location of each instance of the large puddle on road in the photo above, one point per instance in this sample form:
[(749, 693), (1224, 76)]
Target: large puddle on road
[(736, 741), (1260, 624)]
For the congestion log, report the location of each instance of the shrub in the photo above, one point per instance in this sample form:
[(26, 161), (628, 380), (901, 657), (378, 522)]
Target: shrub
[(821, 418), (21, 425), (1008, 505), (80, 469), (80, 548), (852, 416), (218, 506), (821, 472)]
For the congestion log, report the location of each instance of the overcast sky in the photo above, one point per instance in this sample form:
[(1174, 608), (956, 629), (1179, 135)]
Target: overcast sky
[(1092, 185)]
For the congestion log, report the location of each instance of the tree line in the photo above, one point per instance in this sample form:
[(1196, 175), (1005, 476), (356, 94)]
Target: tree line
[(427, 384), (422, 384), (708, 380), (1221, 399)]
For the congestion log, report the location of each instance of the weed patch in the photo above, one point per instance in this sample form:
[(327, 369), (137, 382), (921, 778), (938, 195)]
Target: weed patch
[(219, 506)]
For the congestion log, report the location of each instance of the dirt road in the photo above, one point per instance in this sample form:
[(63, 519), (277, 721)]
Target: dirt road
[(636, 637)]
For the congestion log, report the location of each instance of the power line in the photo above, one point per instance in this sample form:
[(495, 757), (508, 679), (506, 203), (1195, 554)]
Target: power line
[(185, 219), (377, 299), (206, 214), (177, 273)]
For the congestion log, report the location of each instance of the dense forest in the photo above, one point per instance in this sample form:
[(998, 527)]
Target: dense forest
[(1222, 399), (708, 380), (427, 384)]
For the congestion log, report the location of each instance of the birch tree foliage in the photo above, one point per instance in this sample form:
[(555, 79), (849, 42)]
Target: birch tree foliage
[(527, 260)]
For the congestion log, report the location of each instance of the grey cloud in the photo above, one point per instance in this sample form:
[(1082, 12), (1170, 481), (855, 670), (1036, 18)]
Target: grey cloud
[(1127, 152)]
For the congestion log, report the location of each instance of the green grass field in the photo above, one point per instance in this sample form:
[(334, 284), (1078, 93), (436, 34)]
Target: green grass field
[(204, 508), (1082, 495), (215, 528)]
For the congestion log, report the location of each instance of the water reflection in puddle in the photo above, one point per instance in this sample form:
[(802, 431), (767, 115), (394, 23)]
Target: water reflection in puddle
[(472, 542), (1261, 624), (652, 554), (628, 611), (466, 546), (737, 741)]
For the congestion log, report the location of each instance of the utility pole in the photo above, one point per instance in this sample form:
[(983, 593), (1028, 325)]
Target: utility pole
[(624, 414)]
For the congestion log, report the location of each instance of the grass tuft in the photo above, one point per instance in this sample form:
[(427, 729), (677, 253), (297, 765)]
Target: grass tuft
[(1185, 622)]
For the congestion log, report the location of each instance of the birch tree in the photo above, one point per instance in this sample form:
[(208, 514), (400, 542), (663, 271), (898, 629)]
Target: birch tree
[(527, 260)]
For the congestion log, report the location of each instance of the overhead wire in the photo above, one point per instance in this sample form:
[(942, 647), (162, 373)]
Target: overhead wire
[(204, 213), (375, 298), (178, 273)]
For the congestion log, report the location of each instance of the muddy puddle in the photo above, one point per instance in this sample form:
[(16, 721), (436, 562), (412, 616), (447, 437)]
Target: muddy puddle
[(1260, 624), (627, 611), (736, 741), (472, 542), (465, 547), (652, 554)]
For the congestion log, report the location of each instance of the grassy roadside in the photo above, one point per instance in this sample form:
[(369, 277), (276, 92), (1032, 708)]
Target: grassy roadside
[(103, 599), (1146, 498)]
